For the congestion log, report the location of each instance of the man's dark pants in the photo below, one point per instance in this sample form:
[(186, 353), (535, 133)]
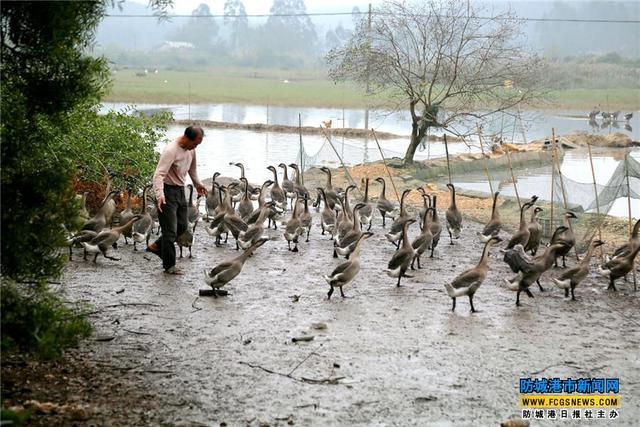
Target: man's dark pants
[(173, 222)]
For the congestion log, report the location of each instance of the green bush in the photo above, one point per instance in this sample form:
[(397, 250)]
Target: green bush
[(34, 319)]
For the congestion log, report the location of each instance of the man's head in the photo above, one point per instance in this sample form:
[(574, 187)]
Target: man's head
[(192, 137)]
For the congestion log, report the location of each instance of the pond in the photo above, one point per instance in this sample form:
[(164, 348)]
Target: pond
[(257, 150)]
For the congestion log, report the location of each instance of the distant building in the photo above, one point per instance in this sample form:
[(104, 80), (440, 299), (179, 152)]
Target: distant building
[(170, 45)]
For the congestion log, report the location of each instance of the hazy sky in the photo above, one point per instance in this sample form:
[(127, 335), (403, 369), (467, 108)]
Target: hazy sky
[(263, 6)]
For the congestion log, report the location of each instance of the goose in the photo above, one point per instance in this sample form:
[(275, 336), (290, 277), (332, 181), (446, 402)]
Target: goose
[(245, 207), (306, 218), (494, 225), (633, 242), (77, 239), (287, 184), (255, 230), (293, 228), (383, 205), (277, 193), (468, 282), (348, 270), (84, 213), (226, 271), (185, 239), (261, 202), (192, 210), (328, 216), (567, 237), (435, 226), (366, 212), (106, 238), (424, 239), (401, 259), (345, 216), (628, 116), (570, 279), (125, 216), (426, 203), (217, 226), (348, 242), (244, 184), (141, 230), (299, 189), (535, 232), (453, 216), (528, 269), (99, 220), (619, 267), (213, 198), (521, 236), (330, 194), (108, 204), (395, 232)]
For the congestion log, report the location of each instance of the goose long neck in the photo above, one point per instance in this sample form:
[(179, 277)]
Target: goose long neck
[(356, 220), (534, 216), (329, 185), (121, 228), (384, 189), (484, 259), (406, 244), (241, 166), (275, 177), (261, 198), (286, 174), (356, 251), (453, 195), (128, 200), (494, 209), (294, 214), (402, 212), (522, 223), (566, 221), (366, 190), (144, 199), (246, 188), (636, 229), (347, 209), (425, 220), (587, 257)]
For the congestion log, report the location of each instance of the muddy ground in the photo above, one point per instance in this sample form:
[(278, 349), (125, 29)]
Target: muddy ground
[(161, 355)]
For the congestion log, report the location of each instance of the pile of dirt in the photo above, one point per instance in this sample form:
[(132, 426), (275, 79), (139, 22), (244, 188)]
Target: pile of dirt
[(582, 139)]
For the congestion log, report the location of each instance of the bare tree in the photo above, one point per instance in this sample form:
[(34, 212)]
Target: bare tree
[(448, 61)]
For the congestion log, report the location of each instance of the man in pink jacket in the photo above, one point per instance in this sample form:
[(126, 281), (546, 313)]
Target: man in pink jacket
[(178, 158)]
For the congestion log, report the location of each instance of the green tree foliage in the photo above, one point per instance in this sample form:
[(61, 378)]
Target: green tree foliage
[(45, 75), (288, 31), (200, 30)]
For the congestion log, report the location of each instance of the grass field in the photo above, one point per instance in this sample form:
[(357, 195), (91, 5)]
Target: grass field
[(300, 89)]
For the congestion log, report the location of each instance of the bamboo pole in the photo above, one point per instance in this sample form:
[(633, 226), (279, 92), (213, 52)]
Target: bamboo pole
[(301, 149), (513, 178), (564, 193), (446, 150), (595, 190), (553, 176), (626, 168), (486, 165), (395, 190)]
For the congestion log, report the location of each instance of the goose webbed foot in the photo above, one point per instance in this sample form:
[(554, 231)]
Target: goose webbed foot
[(399, 278), (612, 286), (295, 248), (473, 310), (540, 286)]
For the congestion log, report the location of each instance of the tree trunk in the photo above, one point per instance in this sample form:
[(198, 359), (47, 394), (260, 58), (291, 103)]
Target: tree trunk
[(416, 137)]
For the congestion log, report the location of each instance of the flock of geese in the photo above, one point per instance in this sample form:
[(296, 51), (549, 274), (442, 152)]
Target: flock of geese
[(230, 209)]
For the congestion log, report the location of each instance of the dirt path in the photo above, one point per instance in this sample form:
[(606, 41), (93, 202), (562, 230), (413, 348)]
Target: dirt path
[(388, 356)]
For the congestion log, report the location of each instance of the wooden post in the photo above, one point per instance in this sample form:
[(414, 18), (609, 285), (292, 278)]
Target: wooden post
[(395, 190), (446, 150), (626, 168), (595, 190), (486, 166)]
